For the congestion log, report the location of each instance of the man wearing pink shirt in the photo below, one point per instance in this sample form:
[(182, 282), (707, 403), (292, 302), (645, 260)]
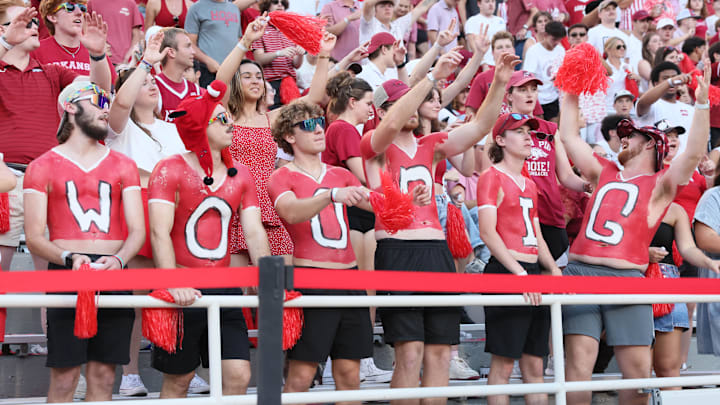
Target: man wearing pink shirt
[(124, 26), (343, 18)]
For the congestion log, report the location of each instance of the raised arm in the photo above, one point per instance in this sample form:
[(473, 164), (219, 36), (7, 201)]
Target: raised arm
[(94, 39), (421, 9), (481, 44), (368, 9), (231, 64), (444, 38), (16, 32), (464, 137), (564, 171), (653, 94), (577, 149), (356, 55)]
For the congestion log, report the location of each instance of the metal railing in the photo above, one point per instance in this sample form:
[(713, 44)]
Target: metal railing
[(273, 281)]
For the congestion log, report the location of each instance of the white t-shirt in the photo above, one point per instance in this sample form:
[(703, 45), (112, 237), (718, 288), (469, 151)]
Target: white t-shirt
[(374, 77), (616, 83), (398, 28), (494, 23), (598, 34), (305, 73), (145, 151), (710, 21), (634, 51), (544, 64), (677, 114)]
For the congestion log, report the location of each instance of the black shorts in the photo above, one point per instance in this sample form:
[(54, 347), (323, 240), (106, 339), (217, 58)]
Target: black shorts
[(516, 330), (432, 325), (556, 239), (233, 337), (688, 270), (421, 36), (551, 110), (110, 345), (360, 220)]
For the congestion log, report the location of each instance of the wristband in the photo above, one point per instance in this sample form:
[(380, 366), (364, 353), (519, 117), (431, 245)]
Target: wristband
[(402, 65), (5, 44), (122, 263), (67, 258), (278, 54), (524, 273), (670, 83), (145, 65), (242, 46), (704, 106), (323, 57), (346, 20), (432, 78), (64, 255), (525, 26), (97, 58), (333, 193)]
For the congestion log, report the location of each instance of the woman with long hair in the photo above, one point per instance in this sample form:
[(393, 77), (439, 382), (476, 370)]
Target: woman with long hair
[(650, 44), (618, 69), (537, 29), (253, 144)]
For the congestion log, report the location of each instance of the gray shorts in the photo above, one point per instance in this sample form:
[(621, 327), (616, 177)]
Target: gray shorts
[(625, 325)]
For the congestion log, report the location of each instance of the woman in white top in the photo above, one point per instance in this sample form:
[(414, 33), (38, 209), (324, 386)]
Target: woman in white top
[(617, 68)]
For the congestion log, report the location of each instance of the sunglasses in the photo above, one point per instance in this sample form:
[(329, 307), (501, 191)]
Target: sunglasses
[(176, 20), (99, 98), (70, 7), (276, 2), (621, 46), (28, 26), (543, 136), (222, 117), (515, 117), (310, 124), (578, 34)]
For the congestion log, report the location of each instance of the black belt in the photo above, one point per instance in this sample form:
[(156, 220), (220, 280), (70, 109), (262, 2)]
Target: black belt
[(17, 166)]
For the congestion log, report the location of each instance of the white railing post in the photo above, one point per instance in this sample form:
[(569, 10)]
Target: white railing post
[(213, 317), (558, 351)]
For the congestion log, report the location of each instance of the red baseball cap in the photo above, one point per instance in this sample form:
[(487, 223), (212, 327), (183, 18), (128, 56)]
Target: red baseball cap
[(520, 78), (513, 121), (380, 39), (626, 128), (641, 15), (390, 91)]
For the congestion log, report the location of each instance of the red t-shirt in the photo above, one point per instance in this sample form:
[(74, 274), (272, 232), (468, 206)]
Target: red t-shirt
[(615, 224), (83, 204), (576, 9), (24, 95), (342, 142), (411, 172), (541, 168), (121, 17), (516, 206), (325, 237), (75, 59), (172, 93), (201, 230), (518, 12), (479, 89)]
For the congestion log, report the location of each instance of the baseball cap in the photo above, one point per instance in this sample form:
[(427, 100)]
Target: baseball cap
[(664, 22), (521, 77), (380, 39), (389, 91), (513, 121), (606, 3), (623, 93), (641, 15), (665, 126), (74, 89), (686, 13), (626, 128)]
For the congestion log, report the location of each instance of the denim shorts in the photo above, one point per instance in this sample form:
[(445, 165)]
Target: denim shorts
[(678, 318)]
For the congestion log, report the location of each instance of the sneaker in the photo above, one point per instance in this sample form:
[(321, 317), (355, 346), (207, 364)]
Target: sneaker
[(550, 369), (81, 388), (460, 370), (371, 374), (327, 377), (476, 266), (684, 367), (132, 386), (516, 373), (37, 350), (198, 386)]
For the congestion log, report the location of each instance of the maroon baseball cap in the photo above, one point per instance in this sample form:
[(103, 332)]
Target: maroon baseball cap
[(626, 128), (513, 121), (380, 39), (641, 15), (521, 77), (390, 91)]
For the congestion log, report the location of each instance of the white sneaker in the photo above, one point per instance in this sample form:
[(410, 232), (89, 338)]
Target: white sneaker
[(516, 373), (198, 386), (37, 350), (550, 369), (81, 388), (132, 386), (460, 370), (327, 378), (371, 374)]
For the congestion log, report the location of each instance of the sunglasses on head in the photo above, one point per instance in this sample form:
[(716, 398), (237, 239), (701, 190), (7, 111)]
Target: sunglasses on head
[(276, 2), (29, 24), (543, 136), (70, 7), (222, 117), (620, 46), (578, 34), (99, 98), (310, 124), (176, 20), (515, 117)]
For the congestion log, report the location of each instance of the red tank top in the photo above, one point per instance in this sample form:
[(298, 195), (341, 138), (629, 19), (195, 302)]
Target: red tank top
[(201, 230), (83, 204), (165, 18), (516, 206), (171, 94), (411, 172), (615, 222), (325, 237)]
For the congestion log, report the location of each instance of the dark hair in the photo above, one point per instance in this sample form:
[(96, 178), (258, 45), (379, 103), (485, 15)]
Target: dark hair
[(496, 152), (660, 67), (376, 52), (556, 29), (691, 44), (714, 48), (646, 54), (609, 123), (662, 52), (537, 16), (341, 88), (66, 128), (236, 99), (122, 78), (265, 5), (434, 123), (290, 114), (578, 25)]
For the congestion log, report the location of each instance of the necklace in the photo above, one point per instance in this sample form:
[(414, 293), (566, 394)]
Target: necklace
[(67, 51), (307, 172)]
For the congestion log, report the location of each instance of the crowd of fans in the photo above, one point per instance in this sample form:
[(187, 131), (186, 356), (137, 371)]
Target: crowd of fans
[(394, 81)]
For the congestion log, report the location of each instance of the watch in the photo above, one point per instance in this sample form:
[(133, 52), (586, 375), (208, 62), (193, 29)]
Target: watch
[(67, 257), (432, 78)]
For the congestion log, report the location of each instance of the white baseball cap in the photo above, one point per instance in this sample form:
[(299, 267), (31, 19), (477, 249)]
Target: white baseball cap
[(664, 22)]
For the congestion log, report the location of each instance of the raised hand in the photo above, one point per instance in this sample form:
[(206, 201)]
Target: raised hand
[(327, 44), (447, 64), (703, 87), (94, 35), (18, 30), (254, 31), (152, 53), (506, 67), (399, 52), (359, 53), (448, 35), (481, 42)]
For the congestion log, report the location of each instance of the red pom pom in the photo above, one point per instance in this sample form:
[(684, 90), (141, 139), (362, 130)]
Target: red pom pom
[(457, 237), (631, 85), (653, 271), (293, 320), (714, 95), (163, 326), (582, 71), (394, 208), (288, 90), (303, 30), (4, 212), (86, 311)]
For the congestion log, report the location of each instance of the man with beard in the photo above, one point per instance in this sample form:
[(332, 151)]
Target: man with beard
[(421, 336), (623, 214), (83, 191)]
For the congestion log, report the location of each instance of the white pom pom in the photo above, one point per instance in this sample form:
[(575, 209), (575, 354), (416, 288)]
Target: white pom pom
[(213, 92)]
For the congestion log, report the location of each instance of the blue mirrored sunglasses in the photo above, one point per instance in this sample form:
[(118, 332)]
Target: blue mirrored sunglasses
[(310, 124)]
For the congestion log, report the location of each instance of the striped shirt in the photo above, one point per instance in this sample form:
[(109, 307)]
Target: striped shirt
[(271, 42)]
